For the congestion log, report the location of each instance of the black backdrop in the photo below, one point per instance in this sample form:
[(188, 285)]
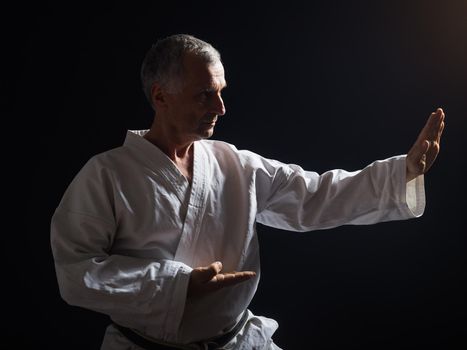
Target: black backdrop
[(329, 84)]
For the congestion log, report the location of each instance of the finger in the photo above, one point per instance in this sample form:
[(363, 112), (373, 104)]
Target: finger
[(433, 125), (441, 124), (432, 152), (216, 267), (440, 131), (424, 133), (435, 128), (231, 276), (229, 279), (434, 120), (431, 155)]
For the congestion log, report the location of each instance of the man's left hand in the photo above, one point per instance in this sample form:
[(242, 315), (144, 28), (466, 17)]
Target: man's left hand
[(423, 153)]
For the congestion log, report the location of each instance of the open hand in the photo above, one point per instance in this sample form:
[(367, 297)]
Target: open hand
[(423, 153), (209, 278)]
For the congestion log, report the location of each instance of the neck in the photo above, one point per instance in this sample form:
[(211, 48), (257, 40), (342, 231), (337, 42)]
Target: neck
[(177, 148)]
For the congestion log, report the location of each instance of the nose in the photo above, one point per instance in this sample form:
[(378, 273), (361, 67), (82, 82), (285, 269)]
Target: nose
[(218, 106)]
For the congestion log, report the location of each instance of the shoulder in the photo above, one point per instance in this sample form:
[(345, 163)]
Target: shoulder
[(222, 149), (218, 147), (225, 152), (110, 159), (101, 166)]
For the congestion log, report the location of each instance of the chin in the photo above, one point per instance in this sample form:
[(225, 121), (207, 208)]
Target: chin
[(205, 134)]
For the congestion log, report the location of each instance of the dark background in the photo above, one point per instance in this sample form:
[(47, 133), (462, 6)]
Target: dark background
[(328, 84)]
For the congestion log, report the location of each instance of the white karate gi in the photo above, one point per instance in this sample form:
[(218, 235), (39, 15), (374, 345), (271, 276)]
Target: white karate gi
[(130, 228)]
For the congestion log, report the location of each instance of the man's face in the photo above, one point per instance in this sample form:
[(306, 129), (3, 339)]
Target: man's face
[(193, 112)]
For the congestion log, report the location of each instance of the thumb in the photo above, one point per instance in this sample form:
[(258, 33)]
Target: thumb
[(210, 271), (416, 154), (422, 155), (425, 146), (420, 148)]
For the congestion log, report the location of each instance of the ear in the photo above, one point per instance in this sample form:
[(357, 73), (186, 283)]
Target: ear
[(158, 97)]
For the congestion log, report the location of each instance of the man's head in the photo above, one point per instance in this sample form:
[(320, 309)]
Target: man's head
[(183, 78), (163, 63)]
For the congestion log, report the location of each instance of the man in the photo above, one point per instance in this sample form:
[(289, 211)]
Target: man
[(159, 234)]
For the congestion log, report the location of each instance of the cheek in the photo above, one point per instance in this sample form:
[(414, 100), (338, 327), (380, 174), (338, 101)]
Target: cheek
[(195, 112), (191, 118), (188, 113)]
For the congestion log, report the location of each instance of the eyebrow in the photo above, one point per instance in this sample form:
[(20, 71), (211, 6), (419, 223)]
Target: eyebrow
[(212, 88)]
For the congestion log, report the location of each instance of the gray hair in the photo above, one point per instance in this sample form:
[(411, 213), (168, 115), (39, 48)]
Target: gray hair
[(164, 61)]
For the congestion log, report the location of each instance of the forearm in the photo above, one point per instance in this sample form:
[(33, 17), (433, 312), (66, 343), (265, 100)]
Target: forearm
[(379, 192), (127, 288)]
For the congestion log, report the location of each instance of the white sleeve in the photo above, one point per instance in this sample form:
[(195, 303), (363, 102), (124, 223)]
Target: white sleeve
[(293, 199), (130, 290)]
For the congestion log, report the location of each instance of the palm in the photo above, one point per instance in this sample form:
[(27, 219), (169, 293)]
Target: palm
[(210, 278)]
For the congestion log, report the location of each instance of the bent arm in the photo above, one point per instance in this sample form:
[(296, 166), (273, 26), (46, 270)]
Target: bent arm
[(130, 288)]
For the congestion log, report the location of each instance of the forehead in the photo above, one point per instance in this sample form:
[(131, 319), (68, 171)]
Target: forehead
[(198, 72)]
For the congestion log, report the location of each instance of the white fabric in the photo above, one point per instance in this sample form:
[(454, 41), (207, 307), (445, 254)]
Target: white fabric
[(130, 229)]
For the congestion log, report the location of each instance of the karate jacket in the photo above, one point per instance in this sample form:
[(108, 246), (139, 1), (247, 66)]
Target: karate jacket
[(130, 228)]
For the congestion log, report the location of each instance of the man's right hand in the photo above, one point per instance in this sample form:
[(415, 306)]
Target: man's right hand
[(208, 278)]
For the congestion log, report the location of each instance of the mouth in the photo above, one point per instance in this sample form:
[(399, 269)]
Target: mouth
[(209, 122)]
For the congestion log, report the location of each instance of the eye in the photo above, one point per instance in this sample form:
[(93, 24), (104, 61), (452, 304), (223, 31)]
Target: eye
[(205, 95)]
